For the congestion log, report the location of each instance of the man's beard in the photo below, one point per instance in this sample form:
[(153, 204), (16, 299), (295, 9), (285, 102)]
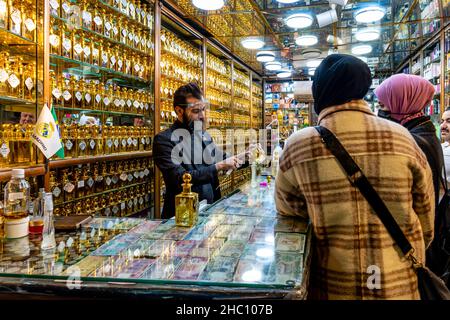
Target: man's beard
[(189, 124)]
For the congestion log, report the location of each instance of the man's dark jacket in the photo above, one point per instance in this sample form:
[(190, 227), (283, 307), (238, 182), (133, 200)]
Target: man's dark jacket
[(204, 176)]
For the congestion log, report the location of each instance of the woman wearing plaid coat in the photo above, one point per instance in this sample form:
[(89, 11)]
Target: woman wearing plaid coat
[(354, 257)]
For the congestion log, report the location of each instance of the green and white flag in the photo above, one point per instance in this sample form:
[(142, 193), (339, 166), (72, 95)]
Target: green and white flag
[(46, 134)]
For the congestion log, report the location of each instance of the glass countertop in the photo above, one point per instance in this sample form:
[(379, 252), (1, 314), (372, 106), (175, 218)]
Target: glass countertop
[(238, 242)]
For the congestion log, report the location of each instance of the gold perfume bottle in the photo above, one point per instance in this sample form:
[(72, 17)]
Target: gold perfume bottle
[(96, 47), (78, 45), (82, 140), (54, 38), (86, 15), (65, 9), (79, 182), (68, 92), (3, 14), (108, 139), (56, 89), (68, 186), (15, 17), (70, 140), (66, 42), (186, 204), (87, 52), (79, 93), (88, 95), (98, 24), (108, 98), (97, 175), (104, 61), (6, 145), (97, 136), (90, 182), (29, 81), (29, 21), (55, 189), (115, 133), (15, 79), (99, 94)]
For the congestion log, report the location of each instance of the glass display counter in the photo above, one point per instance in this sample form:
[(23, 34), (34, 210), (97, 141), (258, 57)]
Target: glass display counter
[(239, 248)]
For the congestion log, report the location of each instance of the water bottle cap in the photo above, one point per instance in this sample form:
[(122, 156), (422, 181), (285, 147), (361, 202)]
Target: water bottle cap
[(18, 173)]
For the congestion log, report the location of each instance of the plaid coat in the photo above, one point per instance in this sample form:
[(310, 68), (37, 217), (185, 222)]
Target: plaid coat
[(351, 243)]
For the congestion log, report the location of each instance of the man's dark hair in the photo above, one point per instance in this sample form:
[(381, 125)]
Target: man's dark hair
[(447, 109), (188, 90)]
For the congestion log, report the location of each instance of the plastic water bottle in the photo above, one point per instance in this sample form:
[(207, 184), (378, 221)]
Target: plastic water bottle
[(17, 196)]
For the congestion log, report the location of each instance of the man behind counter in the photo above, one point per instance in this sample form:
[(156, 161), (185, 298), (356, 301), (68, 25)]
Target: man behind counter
[(189, 107)]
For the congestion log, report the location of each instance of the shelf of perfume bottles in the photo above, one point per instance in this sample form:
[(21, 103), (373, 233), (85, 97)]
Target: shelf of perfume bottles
[(218, 83), (79, 94), (169, 85), (87, 141), (18, 19), (218, 70), (68, 65), (17, 80), (241, 78), (218, 99), (177, 49)]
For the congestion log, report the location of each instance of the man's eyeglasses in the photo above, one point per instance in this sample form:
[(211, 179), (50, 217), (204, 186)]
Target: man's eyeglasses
[(197, 107)]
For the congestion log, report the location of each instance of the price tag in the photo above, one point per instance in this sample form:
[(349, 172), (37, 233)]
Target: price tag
[(95, 52), (4, 150), (54, 40), (30, 25), (13, 81), (78, 48), (92, 144), (87, 97), (148, 140), (67, 95), (81, 184), (69, 145), (98, 21), (78, 95), (69, 187), (82, 145), (56, 191), (29, 83)]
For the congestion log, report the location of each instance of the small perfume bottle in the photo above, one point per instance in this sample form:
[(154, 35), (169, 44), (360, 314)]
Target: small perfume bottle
[(55, 188), (186, 204)]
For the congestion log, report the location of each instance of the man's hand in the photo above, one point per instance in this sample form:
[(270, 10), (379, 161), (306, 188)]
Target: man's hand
[(230, 163)]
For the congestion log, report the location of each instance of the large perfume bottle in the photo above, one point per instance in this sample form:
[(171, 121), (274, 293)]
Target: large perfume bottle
[(15, 17), (70, 140), (3, 14), (68, 186), (68, 92), (29, 21), (81, 140), (186, 204), (7, 137), (29, 81), (55, 188), (54, 38)]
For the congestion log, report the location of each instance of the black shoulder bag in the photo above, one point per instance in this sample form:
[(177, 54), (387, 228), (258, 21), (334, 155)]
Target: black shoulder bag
[(431, 287)]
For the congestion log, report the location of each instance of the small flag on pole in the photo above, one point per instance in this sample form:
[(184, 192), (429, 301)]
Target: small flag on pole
[(46, 134)]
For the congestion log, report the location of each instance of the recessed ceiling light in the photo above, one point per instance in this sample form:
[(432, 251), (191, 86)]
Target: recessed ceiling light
[(208, 4), (308, 40), (310, 53), (287, 1), (252, 43), (368, 34), (273, 66), (265, 56), (369, 14), (362, 49), (311, 71), (313, 63), (285, 73), (299, 20)]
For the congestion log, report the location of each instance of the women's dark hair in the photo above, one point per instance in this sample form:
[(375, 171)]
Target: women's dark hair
[(184, 92)]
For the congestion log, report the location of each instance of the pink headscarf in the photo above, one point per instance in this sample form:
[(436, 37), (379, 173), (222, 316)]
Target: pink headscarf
[(405, 96)]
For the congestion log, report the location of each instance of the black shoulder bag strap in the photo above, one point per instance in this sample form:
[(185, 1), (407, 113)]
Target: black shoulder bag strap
[(359, 180)]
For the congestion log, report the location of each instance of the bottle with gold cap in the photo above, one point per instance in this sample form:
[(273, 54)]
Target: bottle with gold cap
[(7, 138), (88, 101), (82, 140), (68, 92), (78, 91), (56, 87), (29, 21), (55, 189), (69, 139), (55, 38), (186, 204), (29, 75)]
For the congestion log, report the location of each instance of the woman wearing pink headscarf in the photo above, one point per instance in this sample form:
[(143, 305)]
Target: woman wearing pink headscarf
[(403, 98)]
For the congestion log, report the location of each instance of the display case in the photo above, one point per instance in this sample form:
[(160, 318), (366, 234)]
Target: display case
[(239, 248)]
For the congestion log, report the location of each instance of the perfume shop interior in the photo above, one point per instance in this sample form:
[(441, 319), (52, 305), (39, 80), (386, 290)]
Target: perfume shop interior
[(86, 85)]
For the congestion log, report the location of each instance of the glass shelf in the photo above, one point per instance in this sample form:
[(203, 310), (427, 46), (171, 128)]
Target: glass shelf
[(86, 69), (12, 39), (13, 101), (123, 15), (81, 110)]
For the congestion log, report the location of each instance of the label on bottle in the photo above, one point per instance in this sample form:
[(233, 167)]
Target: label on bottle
[(98, 98), (124, 143), (4, 150), (130, 204), (137, 67), (146, 106), (69, 145), (115, 209), (98, 21), (13, 81), (87, 51), (113, 60), (146, 172), (136, 174), (115, 179), (108, 181), (115, 31), (16, 16), (136, 39), (78, 95), (162, 114), (143, 14), (109, 143), (54, 4), (66, 7), (107, 211), (136, 104), (29, 83), (129, 103), (142, 140), (99, 179), (56, 191), (122, 206), (78, 48), (105, 58), (13, 196), (69, 186), (124, 32), (129, 141), (148, 140), (147, 197), (95, 52), (130, 177), (117, 102), (3, 75), (82, 145), (123, 176), (116, 143), (87, 97), (92, 144), (80, 183), (30, 25), (90, 182), (141, 174), (141, 200), (142, 68), (87, 17), (122, 102), (143, 41), (106, 101), (120, 63), (149, 43), (135, 142), (130, 36), (149, 18), (135, 201), (54, 40), (67, 95), (108, 25)]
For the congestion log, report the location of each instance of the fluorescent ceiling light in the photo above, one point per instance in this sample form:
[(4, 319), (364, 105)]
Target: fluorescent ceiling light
[(252, 43), (287, 1), (369, 14), (311, 71), (265, 56), (313, 63), (273, 66), (311, 53), (285, 73), (362, 49), (308, 40), (208, 4), (368, 34), (299, 20)]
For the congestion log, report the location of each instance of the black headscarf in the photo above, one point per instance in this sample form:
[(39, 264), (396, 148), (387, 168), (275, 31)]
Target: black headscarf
[(340, 78)]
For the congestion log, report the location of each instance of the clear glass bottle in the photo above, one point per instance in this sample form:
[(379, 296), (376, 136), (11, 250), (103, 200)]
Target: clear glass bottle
[(17, 196), (37, 220), (3, 14), (48, 234), (15, 18)]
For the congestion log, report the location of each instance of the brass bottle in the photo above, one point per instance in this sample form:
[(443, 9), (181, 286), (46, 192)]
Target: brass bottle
[(3, 14), (68, 186), (7, 138), (79, 92), (55, 189), (66, 42), (79, 182), (88, 101), (29, 21), (82, 141), (186, 204)]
